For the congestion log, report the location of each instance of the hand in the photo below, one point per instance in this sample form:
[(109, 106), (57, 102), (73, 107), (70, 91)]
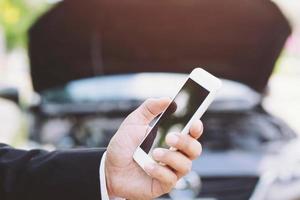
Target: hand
[(125, 178)]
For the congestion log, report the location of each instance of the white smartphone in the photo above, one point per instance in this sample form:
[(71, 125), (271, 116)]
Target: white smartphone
[(190, 103)]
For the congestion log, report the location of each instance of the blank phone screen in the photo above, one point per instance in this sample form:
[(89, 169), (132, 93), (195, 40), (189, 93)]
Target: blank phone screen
[(176, 116)]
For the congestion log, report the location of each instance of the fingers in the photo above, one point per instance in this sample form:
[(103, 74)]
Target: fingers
[(196, 129), (163, 174), (151, 108), (185, 144), (174, 159)]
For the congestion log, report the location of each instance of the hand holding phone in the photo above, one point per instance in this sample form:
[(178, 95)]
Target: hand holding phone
[(187, 106), (125, 178)]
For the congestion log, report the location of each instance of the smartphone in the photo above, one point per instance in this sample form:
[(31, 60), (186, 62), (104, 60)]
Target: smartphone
[(190, 103)]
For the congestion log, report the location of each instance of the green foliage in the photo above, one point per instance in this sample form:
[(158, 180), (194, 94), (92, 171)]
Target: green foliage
[(16, 17)]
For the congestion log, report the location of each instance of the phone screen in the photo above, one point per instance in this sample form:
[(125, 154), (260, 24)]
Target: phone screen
[(176, 116)]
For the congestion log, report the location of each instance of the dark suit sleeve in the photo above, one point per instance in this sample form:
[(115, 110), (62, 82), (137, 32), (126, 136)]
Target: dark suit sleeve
[(57, 175)]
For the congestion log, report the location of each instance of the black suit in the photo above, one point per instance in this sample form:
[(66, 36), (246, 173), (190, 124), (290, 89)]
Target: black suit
[(57, 175)]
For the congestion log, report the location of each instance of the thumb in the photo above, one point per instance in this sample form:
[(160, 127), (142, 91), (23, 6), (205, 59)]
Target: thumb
[(150, 109)]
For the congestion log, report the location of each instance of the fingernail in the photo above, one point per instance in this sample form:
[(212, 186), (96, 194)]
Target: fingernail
[(173, 139), (158, 153)]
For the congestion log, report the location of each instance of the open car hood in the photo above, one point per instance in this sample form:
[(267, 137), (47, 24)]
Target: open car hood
[(232, 39)]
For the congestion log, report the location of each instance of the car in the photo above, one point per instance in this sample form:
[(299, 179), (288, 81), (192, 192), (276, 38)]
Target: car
[(243, 144)]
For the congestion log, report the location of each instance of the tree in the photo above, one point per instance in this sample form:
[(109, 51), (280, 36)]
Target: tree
[(16, 17)]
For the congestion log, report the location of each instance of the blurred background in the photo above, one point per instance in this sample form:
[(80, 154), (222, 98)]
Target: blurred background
[(70, 71)]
